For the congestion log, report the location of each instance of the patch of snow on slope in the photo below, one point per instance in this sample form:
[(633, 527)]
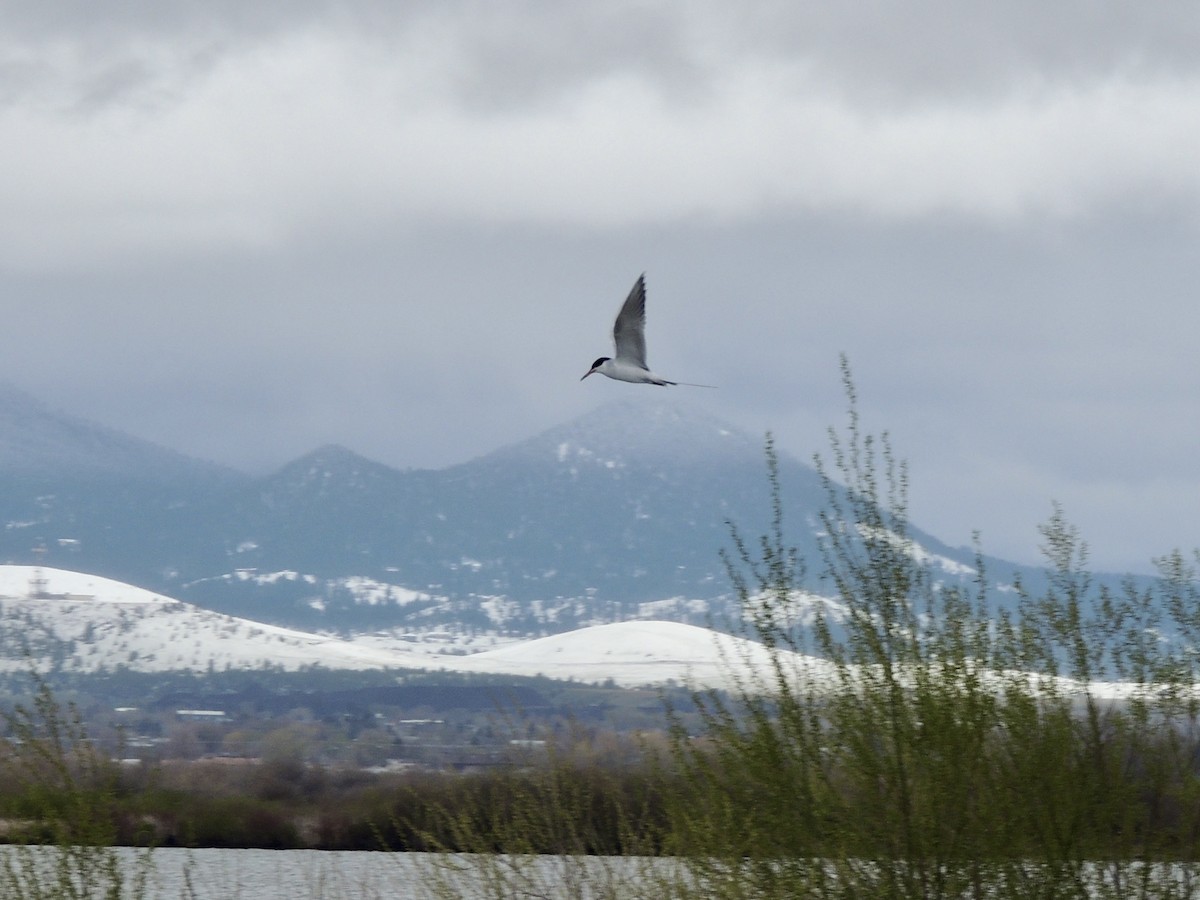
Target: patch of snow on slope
[(917, 552), (17, 582), (364, 590), (256, 577), (372, 592), (430, 642), (638, 653), (651, 609), (106, 624), (802, 608)]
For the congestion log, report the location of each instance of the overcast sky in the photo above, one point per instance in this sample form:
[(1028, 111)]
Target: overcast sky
[(243, 230)]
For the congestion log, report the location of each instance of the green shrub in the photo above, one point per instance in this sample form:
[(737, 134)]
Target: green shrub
[(939, 746), (64, 789)]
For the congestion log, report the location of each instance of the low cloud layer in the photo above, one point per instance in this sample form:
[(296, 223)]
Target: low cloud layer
[(407, 227), (155, 136)]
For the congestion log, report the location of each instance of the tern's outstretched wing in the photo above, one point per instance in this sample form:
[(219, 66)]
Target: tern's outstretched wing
[(629, 332)]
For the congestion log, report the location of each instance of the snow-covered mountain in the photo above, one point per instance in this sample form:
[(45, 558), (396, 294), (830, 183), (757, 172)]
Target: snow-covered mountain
[(618, 515)]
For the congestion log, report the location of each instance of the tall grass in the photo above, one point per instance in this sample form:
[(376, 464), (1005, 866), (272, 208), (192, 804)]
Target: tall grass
[(941, 746), (560, 825), (913, 738), (60, 814)]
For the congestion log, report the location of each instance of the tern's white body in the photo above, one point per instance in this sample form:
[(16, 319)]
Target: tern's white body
[(627, 370), (629, 341)]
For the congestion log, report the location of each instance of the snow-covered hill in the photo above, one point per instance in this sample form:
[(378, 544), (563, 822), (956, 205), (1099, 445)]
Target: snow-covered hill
[(55, 618), (77, 622), (639, 653)]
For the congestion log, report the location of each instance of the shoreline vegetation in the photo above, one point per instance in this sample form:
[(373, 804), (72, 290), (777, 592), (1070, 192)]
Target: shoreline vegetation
[(950, 748)]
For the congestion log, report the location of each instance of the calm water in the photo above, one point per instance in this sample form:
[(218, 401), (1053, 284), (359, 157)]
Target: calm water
[(329, 875), (211, 874), (291, 874)]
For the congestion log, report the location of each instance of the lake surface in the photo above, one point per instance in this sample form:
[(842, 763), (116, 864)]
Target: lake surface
[(215, 874)]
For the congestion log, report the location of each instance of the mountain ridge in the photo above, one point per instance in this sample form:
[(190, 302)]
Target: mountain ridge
[(38, 440), (617, 514)]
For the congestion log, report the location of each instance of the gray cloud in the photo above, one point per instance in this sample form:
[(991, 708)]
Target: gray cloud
[(246, 229), (513, 52)]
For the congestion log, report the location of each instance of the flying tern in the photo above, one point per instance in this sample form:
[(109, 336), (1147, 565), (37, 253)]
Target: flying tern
[(629, 339)]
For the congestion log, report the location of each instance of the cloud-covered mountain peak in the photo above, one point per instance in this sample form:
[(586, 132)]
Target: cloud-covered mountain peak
[(330, 458), (332, 467), (637, 432)]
